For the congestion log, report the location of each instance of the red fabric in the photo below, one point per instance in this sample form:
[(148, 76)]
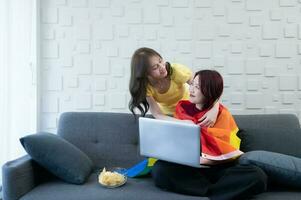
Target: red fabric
[(218, 142)]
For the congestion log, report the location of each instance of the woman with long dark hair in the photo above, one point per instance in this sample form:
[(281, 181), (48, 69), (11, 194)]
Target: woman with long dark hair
[(158, 86)]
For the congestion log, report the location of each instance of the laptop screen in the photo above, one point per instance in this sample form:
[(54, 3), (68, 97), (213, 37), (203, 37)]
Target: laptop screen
[(171, 141)]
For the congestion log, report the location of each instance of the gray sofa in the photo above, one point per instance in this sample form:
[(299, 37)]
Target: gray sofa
[(111, 139)]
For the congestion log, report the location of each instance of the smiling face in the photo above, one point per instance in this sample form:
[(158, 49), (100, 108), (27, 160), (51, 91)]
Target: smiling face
[(157, 69), (206, 89), (196, 95)]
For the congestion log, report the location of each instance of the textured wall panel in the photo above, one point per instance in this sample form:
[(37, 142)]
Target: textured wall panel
[(270, 71), (133, 15), (236, 47), (254, 100), (265, 50), (287, 83), (287, 3), (284, 50), (53, 82), (50, 49), (290, 31), (83, 64), (299, 31), (49, 15), (83, 101), (254, 66), (86, 47), (288, 98), (253, 5), (235, 66), (253, 85), (50, 104), (82, 30), (103, 31), (237, 98), (276, 14), (71, 82), (203, 49), (100, 84), (49, 121), (117, 100), (256, 20), (205, 32), (235, 15), (99, 100), (271, 30), (101, 3)]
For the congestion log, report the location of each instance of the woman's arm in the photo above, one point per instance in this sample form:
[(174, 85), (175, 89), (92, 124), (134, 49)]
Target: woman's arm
[(210, 117), (157, 113)]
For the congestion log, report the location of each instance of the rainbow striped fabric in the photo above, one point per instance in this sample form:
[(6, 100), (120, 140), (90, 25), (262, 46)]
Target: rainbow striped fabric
[(220, 142), (141, 169)]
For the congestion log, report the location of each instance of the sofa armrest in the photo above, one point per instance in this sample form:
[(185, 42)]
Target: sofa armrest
[(20, 176)]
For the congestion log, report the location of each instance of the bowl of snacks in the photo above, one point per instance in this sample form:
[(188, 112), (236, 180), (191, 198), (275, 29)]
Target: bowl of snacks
[(112, 178)]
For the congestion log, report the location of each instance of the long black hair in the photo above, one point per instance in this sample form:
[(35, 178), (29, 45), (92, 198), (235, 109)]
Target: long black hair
[(140, 64)]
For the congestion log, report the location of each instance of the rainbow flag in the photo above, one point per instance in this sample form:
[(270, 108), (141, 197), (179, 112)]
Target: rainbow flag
[(141, 169), (220, 142)]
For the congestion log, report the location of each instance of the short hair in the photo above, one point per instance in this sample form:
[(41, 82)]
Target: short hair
[(211, 85)]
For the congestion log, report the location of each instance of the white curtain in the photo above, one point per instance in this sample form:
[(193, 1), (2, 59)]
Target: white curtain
[(18, 70)]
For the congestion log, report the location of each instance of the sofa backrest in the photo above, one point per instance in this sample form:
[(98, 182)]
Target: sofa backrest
[(111, 139), (267, 121)]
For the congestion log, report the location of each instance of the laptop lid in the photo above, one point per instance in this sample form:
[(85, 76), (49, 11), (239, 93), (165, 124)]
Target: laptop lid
[(176, 142)]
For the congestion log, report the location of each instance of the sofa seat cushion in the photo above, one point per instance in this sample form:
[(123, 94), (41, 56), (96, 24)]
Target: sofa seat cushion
[(134, 189)]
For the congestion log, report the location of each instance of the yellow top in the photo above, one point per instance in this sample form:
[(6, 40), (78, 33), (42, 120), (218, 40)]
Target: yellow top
[(178, 89)]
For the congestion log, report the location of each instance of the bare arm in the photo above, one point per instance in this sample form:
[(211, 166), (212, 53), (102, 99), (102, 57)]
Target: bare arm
[(210, 117), (157, 113)]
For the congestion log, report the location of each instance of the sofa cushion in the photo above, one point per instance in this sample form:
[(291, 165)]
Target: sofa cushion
[(280, 168), (285, 140), (58, 156), (134, 189)]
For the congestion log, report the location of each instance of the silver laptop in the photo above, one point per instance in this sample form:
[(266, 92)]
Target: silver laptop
[(176, 142)]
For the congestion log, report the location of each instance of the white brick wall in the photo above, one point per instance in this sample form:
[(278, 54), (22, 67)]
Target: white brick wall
[(86, 46)]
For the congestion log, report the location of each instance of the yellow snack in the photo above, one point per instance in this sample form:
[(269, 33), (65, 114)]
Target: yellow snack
[(110, 178)]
